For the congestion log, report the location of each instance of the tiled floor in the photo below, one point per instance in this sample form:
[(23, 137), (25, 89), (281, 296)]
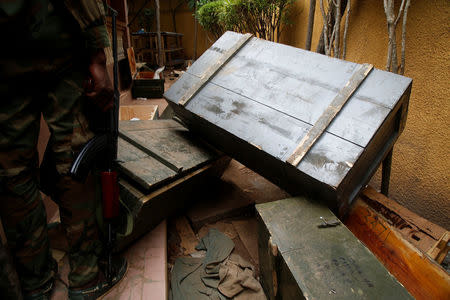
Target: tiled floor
[(147, 269), (146, 277)]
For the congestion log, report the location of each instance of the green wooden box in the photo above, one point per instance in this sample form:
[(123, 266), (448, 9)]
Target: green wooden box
[(300, 260), (144, 86), (162, 167)]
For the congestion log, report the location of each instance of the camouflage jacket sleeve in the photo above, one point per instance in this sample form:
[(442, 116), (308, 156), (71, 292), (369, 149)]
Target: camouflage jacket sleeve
[(91, 16)]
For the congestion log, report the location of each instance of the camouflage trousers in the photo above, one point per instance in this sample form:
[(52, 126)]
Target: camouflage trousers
[(57, 96)]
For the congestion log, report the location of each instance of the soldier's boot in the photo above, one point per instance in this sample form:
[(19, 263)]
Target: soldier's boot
[(45, 291), (42, 293), (101, 285)]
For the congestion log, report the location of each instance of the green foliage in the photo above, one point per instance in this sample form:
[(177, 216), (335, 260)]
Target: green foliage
[(200, 3), (210, 16), (263, 18)]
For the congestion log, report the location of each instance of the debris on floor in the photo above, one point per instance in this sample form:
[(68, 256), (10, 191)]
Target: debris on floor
[(219, 274)]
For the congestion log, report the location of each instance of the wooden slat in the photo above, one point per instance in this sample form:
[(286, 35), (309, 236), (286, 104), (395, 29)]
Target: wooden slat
[(421, 276), (328, 115), (154, 152), (140, 167), (420, 232), (148, 124), (143, 148), (214, 68), (176, 147), (141, 112), (440, 250), (187, 235)]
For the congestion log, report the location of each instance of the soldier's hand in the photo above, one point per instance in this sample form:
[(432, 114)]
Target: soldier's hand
[(98, 86)]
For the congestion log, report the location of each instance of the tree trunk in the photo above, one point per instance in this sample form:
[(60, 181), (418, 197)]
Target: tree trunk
[(337, 29), (312, 10), (195, 31), (405, 17), (344, 38), (321, 45)]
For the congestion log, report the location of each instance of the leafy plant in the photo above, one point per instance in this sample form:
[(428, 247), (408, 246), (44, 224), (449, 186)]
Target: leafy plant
[(210, 16), (263, 18)]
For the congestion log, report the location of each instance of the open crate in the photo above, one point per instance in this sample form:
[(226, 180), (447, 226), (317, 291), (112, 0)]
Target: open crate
[(143, 85)]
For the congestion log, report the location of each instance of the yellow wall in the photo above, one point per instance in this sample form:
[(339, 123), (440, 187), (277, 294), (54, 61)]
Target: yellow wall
[(185, 25), (421, 163)]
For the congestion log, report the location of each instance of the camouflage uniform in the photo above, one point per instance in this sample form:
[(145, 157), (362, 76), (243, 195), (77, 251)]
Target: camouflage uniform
[(43, 73)]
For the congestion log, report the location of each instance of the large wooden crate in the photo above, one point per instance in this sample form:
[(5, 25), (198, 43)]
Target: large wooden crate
[(320, 262), (162, 166), (263, 103)]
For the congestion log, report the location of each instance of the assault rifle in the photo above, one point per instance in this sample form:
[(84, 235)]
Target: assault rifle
[(104, 146)]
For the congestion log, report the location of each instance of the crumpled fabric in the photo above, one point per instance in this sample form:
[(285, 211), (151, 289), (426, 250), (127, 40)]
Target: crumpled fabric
[(237, 280), (220, 275)]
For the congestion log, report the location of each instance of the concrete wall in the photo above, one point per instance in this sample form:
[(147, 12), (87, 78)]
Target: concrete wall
[(421, 163)]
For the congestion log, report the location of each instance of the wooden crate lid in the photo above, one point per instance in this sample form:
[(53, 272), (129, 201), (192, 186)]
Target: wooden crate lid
[(155, 152), (270, 95), (324, 262)]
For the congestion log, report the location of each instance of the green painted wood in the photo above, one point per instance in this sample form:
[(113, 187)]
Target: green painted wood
[(152, 153), (263, 102), (317, 263), (176, 146), (141, 168), (149, 209), (147, 88)]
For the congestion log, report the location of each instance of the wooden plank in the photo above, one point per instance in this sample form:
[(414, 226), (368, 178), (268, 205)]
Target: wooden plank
[(418, 231), (141, 112), (152, 153), (317, 263), (440, 250), (125, 136), (177, 148), (247, 231), (423, 278), (146, 125), (214, 68), (140, 167), (187, 235), (329, 114), (132, 62)]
